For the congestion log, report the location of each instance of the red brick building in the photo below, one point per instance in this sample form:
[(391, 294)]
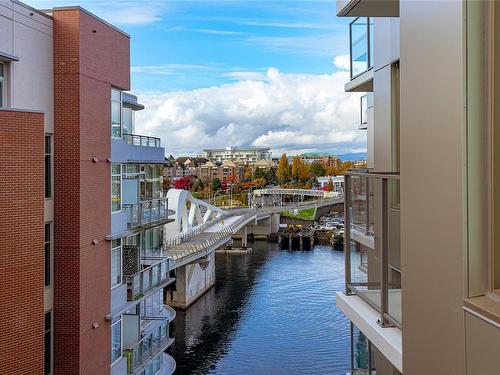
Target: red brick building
[(75, 181)]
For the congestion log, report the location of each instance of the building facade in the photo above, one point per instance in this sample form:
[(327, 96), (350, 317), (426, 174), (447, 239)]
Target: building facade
[(79, 295), (245, 155), (326, 160), (422, 270), (227, 172)]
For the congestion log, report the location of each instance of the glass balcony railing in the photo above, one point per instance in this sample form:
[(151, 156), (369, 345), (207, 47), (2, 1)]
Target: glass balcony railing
[(372, 242), (146, 212), (361, 45), (147, 279), (148, 347), (142, 140)]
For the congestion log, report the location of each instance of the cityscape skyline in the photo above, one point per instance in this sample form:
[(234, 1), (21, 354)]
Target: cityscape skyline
[(233, 62)]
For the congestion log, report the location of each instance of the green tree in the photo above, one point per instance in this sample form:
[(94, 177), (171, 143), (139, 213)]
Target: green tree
[(317, 169), (283, 172), (271, 176), (259, 173), (216, 185)]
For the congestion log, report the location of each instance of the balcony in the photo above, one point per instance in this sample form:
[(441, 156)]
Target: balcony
[(361, 55), (368, 8), (142, 140), (148, 348), (147, 280), (372, 243), (147, 213)]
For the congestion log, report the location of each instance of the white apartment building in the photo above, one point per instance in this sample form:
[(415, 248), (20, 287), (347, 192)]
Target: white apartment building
[(245, 155)]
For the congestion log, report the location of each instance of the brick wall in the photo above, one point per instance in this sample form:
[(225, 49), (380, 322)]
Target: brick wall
[(89, 58), (21, 247)]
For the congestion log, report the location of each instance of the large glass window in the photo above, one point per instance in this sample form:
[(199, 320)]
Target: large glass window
[(116, 262), (48, 344), (48, 166), (116, 340), (48, 255), (116, 187), (128, 121), (116, 113)]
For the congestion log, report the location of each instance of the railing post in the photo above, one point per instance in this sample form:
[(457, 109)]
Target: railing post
[(347, 233), (384, 303)]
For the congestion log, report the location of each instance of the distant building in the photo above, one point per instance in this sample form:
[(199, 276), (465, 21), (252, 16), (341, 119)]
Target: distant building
[(247, 155), (324, 159), (338, 182), (229, 171), (183, 166)]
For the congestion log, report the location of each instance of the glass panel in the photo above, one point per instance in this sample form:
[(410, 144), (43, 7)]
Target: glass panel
[(116, 188), (394, 251), (128, 121), (1, 93), (371, 38), (116, 266), (116, 340), (359, 46), (360, 352)]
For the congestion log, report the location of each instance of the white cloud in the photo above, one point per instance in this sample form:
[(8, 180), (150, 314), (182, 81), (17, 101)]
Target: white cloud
[(342, 62), (287, 112), (245, 76)]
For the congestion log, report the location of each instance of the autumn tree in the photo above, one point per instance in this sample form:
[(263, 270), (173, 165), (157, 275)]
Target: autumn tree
[(283, 172), (247, 173), (304, 172), (329, 187), (183, 183), (296, 164)]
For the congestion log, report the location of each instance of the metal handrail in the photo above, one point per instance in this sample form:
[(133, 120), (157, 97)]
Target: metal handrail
[(146, 212), (142, 140), (147, 279), (384, 283), (370, 174)]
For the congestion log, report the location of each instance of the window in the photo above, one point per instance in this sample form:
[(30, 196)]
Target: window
[(361, 43), (48, 255), (116, 187), (116, 113), (48, 166), (48, 344), (116, 262), (2, 85), (116, 340), (128, 121)]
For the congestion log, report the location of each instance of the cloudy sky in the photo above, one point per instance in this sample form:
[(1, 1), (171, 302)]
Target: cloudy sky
[(220, 73)]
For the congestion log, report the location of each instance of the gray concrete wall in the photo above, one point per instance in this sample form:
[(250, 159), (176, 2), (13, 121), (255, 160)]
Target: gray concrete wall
[(191, 282), (432, 198)]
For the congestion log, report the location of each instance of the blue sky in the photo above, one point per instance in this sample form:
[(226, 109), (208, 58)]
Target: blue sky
[(188, 57)]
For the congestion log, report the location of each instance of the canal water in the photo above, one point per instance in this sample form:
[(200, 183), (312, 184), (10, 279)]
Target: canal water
[(271, 312)]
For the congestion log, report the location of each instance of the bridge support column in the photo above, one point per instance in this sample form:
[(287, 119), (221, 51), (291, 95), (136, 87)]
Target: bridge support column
[(244, 237), (191, 282)]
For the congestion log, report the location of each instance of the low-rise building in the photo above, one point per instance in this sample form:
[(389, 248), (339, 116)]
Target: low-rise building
[(248, 155)]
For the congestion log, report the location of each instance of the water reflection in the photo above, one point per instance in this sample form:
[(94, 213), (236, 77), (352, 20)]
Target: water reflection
[(270, 312)]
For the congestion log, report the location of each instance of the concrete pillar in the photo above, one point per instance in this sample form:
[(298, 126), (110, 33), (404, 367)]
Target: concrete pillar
[(244, 238), (290, 241), (191, 282), (301, 242)]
